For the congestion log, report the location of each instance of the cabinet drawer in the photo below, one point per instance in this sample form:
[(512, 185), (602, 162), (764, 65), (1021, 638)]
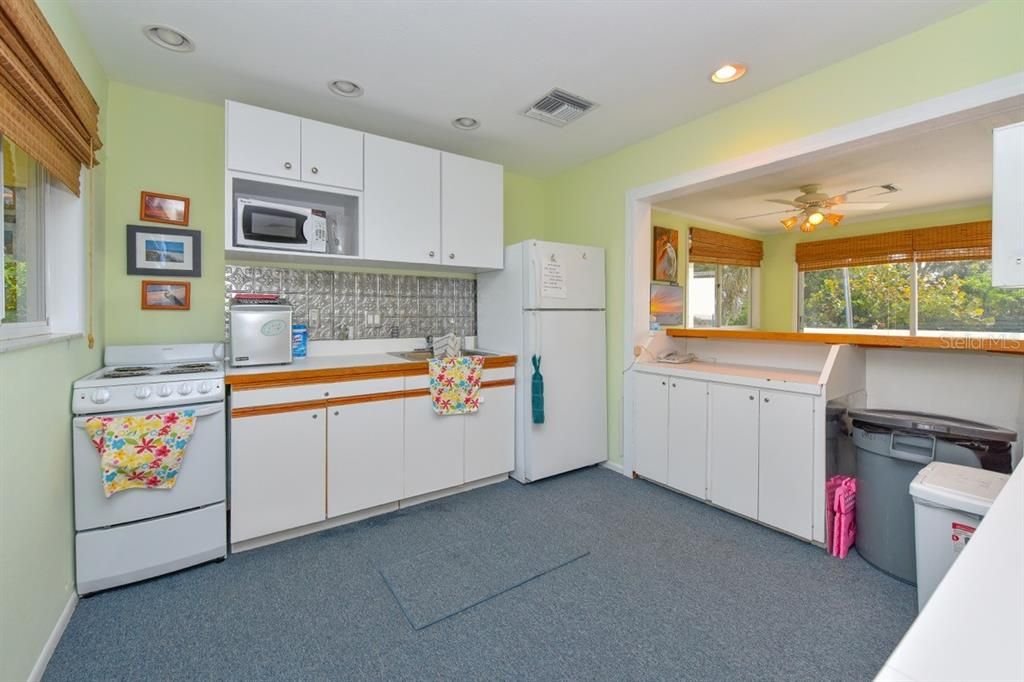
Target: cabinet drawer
[(303, 393)]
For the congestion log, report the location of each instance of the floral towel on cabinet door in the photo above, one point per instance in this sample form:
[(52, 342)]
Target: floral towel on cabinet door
[(455, 384), (141, 451)]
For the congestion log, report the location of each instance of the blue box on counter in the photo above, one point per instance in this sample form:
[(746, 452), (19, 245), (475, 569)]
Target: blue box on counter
[(300, 339)]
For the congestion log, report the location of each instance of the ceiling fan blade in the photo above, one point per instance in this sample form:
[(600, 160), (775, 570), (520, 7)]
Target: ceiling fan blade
[(841, 198), (762, 215), (860, 206), (787, 202)]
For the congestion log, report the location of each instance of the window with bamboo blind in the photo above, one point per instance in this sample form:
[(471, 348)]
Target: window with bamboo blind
[(964, 241), (45, 107), (707, 246)]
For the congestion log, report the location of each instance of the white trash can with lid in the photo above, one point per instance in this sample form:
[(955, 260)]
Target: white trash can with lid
[(949, 502)]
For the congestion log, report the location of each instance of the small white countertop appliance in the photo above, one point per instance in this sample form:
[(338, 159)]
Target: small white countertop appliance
[(260, 331), (140, 533)]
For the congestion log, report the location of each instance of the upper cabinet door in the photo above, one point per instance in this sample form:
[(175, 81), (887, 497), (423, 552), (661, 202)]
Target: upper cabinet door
[(332, 155), (263, 141), (402, 202), (1008, 206), (472, 214)]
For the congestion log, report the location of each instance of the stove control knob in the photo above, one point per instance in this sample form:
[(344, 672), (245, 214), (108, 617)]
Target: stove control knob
[(165, 390), (143, 392), (185, 389), (100, 395), (205, 387)]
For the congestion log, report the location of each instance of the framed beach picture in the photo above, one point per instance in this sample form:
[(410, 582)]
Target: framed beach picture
[(163, 208), (667, 304), (157, 295), (164, 251), (665, 255)]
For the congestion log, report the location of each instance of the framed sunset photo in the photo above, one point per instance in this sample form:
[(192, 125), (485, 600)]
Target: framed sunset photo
[(163, 208), (166, 295)]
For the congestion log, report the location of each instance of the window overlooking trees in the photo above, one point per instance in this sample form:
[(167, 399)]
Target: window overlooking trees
[(927, 281), (720, 295), (24, 272)]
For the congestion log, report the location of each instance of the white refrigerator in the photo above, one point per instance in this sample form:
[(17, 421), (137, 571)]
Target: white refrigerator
[(549, 302)]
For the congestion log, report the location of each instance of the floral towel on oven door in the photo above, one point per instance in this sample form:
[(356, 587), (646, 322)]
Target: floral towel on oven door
[(455, 384), (141, 451)]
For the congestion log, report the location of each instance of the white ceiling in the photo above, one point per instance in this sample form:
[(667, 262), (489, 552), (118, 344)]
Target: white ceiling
[(938, 169), (424, 62)]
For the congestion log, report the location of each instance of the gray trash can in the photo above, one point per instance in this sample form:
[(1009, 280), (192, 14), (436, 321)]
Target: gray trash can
[(892, 446)]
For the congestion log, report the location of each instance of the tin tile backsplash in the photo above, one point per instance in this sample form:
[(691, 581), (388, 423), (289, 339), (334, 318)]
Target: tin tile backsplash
[(336, 305)]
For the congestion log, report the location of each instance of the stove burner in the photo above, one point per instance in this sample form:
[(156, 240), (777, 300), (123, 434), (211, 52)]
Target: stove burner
[(189, 369), (120, 374), (195, 365), (141, 368)]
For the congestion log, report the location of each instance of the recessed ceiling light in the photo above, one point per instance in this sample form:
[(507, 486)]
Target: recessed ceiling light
[(466, 123), (345, 88), (729, 73), (169, 38)]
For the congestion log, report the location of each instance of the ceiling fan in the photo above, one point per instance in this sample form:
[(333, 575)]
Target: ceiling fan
[(814, 207)]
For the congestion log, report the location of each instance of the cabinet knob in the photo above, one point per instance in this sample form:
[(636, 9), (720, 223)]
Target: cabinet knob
[(336, 413), (327, 394), (288, 165), (766, 399), (314, 170), (451, 256), (315, 416), (663, 383), (750, 397), (431, 254)]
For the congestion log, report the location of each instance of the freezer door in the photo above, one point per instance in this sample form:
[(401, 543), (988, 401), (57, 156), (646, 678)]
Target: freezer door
[(563, 276), (575, 429)]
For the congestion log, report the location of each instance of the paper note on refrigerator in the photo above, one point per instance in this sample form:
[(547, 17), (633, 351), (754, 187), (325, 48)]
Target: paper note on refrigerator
[(553, 280)]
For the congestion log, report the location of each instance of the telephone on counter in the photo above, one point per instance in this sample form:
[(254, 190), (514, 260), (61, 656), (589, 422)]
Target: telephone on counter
[(673, 357)]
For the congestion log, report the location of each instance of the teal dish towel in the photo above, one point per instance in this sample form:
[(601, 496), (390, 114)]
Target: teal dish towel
[(537, 393)]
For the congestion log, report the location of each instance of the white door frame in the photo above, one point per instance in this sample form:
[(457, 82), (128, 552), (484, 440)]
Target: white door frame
[(932, 114)]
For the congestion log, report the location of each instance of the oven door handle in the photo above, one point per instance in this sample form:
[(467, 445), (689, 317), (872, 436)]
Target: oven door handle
[(205, 411)]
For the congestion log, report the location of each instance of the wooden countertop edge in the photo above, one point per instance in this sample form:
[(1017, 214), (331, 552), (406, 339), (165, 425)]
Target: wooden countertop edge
[(952, 343), (286, 377)]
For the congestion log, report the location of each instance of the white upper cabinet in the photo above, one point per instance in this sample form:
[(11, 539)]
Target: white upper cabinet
[(332, 155), (263, 141), (402, 202), (472, 214), (1008, 206)]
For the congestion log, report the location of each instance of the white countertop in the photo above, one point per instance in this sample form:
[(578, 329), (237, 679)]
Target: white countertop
[(972, 628), (321, 362)]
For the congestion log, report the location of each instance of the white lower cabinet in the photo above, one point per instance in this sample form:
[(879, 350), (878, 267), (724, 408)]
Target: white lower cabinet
[(732, 448), (490, 447), (365, 450), (433, 448), (688, 436), (651, 425), (277, 472), (785, 462)]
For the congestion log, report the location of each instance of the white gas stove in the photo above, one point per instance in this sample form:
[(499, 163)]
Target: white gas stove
[(140, 533), (138, 377)]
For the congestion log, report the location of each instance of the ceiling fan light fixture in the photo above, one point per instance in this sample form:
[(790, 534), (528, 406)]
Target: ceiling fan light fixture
[(834, 219), (727, 73), (790, 222), (807, 226), (815, 217)]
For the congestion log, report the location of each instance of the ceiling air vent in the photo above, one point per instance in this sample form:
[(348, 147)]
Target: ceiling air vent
[(559, 108)]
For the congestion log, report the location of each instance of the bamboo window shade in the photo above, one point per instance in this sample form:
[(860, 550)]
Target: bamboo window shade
[(724, 249), (964, 241), (45, 107)]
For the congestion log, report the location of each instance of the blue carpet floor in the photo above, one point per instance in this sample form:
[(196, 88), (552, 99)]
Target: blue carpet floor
[(670, 589)]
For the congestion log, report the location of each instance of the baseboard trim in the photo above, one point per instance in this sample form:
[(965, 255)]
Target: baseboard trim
[(54, 639), (614, 466)]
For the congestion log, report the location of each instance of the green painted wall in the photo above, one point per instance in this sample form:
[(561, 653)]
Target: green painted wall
[(587, 204), (778, 277), (524, 208), (36, 526)]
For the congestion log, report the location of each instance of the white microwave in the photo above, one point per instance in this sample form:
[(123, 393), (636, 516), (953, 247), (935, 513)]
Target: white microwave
[(280, 226)]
